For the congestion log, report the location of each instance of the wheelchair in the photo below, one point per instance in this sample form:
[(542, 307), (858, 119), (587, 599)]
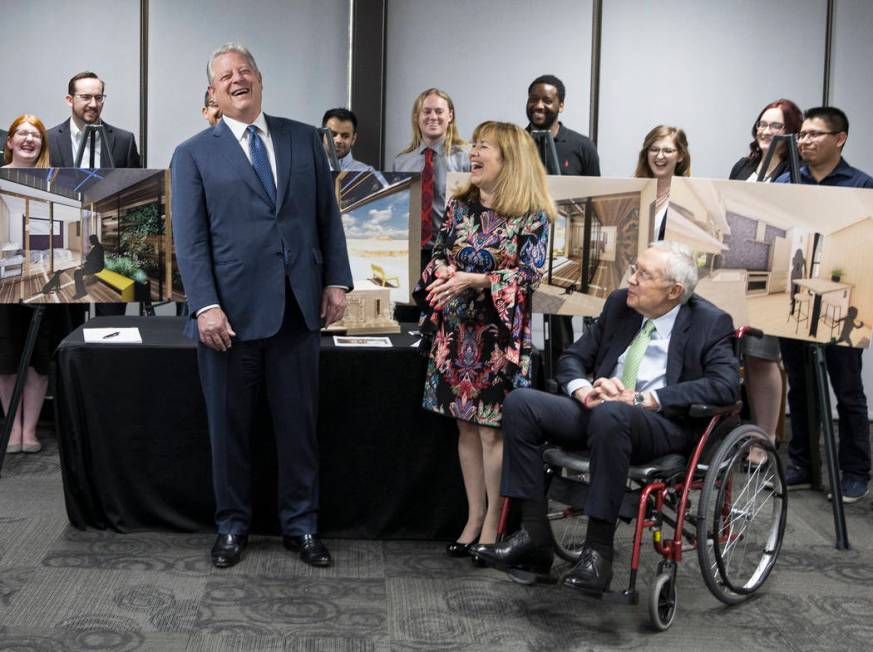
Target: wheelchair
[(735, 526)]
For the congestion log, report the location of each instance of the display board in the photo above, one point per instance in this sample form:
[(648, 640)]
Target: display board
[(71, 235), (791, 260)]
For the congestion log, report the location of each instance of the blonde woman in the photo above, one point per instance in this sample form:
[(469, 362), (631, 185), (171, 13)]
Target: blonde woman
[(477, 292)]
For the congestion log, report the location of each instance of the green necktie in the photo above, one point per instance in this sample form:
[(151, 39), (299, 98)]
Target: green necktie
[(635, 354)]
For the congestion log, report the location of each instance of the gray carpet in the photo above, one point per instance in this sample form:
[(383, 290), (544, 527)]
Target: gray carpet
[(64, 589)]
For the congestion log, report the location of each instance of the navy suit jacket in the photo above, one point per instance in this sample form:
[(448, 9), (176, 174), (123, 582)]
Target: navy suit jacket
[(122, 144), (232, 243), (702, 366)]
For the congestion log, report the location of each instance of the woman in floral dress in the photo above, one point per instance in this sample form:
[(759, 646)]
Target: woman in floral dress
[(478, 287)]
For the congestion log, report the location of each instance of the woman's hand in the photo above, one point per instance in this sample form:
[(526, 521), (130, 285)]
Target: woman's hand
[(452, 283)]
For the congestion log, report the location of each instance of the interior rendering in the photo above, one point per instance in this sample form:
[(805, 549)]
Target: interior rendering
[(70, 235)]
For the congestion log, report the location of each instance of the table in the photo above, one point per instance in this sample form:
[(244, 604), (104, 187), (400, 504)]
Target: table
[(819, 287), (135, 448)]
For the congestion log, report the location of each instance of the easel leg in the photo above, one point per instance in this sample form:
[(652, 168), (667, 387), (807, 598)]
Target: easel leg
[(20, 378), (841, 534)]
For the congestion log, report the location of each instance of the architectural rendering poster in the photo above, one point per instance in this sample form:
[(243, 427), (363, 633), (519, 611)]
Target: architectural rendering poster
[(792, 260), (73, 235), (381, 213)]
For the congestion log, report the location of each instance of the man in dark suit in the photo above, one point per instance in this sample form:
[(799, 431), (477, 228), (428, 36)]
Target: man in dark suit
[(86, 98), (264, 263), (94, 263), (655, 350)]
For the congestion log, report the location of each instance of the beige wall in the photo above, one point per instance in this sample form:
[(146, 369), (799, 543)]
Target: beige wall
[(849, 249)]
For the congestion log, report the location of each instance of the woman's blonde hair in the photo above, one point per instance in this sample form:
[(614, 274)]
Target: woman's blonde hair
[(452, 140), (683, 167), (520, 188), (43, 160)]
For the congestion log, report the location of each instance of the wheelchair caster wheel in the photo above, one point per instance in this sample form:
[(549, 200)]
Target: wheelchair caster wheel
[(662, 602)]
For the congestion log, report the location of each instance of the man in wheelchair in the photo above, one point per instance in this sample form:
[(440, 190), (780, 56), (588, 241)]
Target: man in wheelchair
[(655, 350)]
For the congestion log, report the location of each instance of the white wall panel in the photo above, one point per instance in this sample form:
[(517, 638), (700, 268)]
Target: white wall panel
[(301, 47), (484, 54), (851, 88), (46, 42), (707, 67)]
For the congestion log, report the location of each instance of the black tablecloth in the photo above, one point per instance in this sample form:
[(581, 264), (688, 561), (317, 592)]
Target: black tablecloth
[(135, 448)]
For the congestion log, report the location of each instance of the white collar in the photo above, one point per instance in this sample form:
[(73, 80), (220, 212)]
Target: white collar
[(239, 128), (664, 323), (74, 128)]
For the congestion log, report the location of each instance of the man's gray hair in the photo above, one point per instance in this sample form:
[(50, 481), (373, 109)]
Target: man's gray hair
[(681, 267), (232, 46)]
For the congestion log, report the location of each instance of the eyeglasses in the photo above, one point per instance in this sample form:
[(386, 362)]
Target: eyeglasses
[(814, 135), (642, 275), (666, 151), (773, 126), (23, 135), (87, 98)]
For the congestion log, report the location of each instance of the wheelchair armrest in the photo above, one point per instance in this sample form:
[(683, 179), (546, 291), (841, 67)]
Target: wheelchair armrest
[(748, 331), (701, 410)]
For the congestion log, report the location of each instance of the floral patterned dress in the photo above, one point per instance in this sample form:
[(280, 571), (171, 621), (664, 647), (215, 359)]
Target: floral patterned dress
[(481, 340)]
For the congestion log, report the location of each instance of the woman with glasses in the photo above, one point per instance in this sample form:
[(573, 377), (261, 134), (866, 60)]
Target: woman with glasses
[(476, 293), (776, 119), (663, 155), (26, 147), (761, 355)]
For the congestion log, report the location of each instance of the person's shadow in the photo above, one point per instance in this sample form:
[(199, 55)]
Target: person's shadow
[(94, 262)]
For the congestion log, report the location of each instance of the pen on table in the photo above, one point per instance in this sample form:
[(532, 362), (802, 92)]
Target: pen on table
[(112, 334)]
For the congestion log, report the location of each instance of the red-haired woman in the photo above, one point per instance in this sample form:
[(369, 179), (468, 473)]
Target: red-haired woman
[(26, 147)]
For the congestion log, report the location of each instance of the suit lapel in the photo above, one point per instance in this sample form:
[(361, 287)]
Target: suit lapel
[(678, 339), (110, 143), (65, 144), (281, 137), (232, 151), (626, 330)]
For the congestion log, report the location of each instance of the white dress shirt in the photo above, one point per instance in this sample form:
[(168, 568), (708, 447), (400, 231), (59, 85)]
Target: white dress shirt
[(652, 374), (75, 137), (241, 134)]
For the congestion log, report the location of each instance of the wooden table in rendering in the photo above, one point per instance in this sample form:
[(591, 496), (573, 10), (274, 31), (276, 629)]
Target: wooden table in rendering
[(820, 287)]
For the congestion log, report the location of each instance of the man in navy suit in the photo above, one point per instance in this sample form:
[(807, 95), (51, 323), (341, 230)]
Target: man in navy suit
[(264, 263), (86, 98), (655, 350)]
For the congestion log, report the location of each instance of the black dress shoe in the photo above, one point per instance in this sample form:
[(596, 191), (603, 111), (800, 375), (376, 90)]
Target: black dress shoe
[(227, 550), (310, 547), (517, 551), (456, 549), (591, 574)]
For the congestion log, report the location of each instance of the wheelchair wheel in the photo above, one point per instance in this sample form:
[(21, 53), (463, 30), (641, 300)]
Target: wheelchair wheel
[(568, 525), (662, 602), (741, 516)]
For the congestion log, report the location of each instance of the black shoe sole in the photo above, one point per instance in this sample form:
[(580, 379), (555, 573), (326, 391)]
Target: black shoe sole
[(528, 577)]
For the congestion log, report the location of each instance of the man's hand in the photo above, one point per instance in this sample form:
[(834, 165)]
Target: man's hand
[(609, 389), (588, 397), (215, 330), (333, 305)]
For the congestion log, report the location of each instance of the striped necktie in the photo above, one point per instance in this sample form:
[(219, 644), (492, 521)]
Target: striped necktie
[(635, 354)]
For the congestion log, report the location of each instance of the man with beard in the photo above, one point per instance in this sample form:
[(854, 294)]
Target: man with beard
[(577, 155), (343, 125), (86, 98)]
